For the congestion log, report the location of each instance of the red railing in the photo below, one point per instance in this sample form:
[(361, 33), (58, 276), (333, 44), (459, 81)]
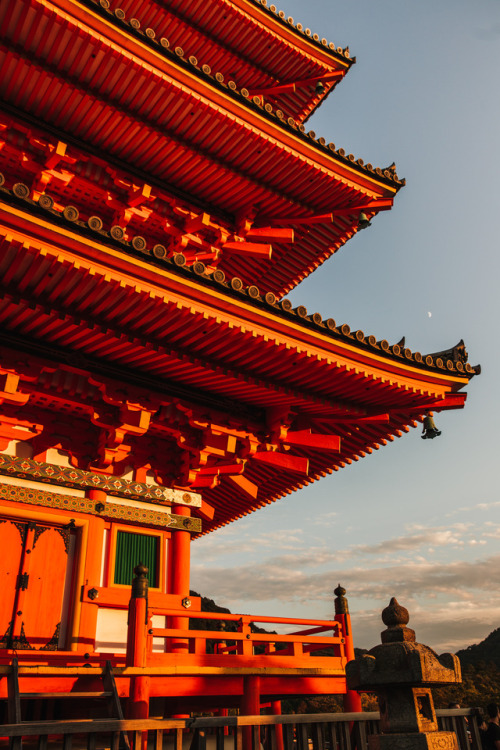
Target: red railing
[(222, 644)]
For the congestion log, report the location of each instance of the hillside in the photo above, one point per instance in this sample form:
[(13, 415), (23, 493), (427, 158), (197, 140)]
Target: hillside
[(486, 651)]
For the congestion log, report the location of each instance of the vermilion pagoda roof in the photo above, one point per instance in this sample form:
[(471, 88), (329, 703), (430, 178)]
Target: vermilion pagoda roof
[(248, 42), (309, 395), (128, 161), (102, 85)]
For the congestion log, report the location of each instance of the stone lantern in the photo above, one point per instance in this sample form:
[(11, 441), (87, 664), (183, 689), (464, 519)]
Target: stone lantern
[(401, 672)]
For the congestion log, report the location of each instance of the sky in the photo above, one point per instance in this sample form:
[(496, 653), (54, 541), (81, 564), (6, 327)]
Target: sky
[(418, 520)]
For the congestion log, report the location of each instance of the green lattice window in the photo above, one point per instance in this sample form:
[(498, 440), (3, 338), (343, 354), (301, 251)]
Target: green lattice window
[(131, 549)]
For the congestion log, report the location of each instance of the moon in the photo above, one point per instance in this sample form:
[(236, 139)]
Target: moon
[(429, 315)]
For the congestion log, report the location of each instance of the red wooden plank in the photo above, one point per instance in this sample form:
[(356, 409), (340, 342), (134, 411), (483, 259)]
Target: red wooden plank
[(304, 438), (283, 461)]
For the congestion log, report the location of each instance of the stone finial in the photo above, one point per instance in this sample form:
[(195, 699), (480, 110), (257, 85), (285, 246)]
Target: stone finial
[(140, 582), (341, 605), (396, 618)]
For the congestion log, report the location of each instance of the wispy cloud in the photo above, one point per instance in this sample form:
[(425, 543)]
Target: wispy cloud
[(460, 596)]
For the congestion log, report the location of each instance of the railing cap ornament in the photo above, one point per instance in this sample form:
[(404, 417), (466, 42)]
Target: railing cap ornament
[(140, 582), (341, 604)]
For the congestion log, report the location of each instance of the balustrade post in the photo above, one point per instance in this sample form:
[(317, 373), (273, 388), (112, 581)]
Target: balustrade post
[(352, 699), (137, 646)]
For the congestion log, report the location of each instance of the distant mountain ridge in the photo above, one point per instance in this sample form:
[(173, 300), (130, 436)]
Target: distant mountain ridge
[(486, 651)]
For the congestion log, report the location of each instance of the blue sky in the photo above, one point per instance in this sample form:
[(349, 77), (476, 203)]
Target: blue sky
[(418, 520)]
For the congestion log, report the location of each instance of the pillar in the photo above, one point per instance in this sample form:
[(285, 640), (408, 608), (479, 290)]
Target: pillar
[(352, 699), (83, 636), (250, 706), (137, 646), (179, 576), (276, 711), (179, 580)]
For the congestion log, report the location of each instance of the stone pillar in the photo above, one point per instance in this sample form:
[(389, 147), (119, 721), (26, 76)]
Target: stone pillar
[(401, 672)]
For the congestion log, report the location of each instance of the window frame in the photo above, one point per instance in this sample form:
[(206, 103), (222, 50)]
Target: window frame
[(144, 531)]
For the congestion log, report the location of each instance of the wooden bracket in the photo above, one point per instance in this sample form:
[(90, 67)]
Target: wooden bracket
[(290, 88)]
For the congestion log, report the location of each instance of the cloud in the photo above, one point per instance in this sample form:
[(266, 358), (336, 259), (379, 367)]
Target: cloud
[(282, 572), (473, 508), (447, 600), (444, 628), (228, 542), (434, 537), (281, 580)]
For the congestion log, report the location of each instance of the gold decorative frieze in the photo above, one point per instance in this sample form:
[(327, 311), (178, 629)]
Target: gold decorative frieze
[(38, 471), (111, 511)]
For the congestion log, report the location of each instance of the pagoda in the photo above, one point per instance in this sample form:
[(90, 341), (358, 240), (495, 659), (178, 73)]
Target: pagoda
[(160, 195)]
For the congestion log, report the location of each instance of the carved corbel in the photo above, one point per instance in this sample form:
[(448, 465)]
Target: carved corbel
[(278, 421), (26, 367), (12, 428), (9, 394), (133, 204), (115, 426), (55, 160)]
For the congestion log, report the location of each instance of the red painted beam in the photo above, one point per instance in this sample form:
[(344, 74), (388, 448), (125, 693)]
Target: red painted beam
[(248, 248), (271, 234), (222, 469), (283, 461), (382, 205), (306, 439), (290, 88)]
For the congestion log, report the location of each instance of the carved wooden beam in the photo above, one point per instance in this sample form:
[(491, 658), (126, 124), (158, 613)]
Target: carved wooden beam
[(270, 234), (243, 485), (254, 249), (9, 393), (328, 218), (306, 439), (290, 88), (283, 461)]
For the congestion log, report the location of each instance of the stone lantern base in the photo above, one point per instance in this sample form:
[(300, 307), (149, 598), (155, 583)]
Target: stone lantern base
[(414, 741)]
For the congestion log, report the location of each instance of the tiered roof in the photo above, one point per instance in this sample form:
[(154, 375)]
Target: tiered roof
[(250, 43), (298, 397), (155, 210), (102, 84)]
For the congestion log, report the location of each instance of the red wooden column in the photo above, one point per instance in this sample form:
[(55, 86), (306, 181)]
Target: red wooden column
[(137, 643), (250, 706), (92, 573), (352, 699), (179, 576), (276, 711)]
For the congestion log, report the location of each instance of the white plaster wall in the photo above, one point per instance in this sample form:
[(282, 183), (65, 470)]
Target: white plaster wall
[(111, 632)]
